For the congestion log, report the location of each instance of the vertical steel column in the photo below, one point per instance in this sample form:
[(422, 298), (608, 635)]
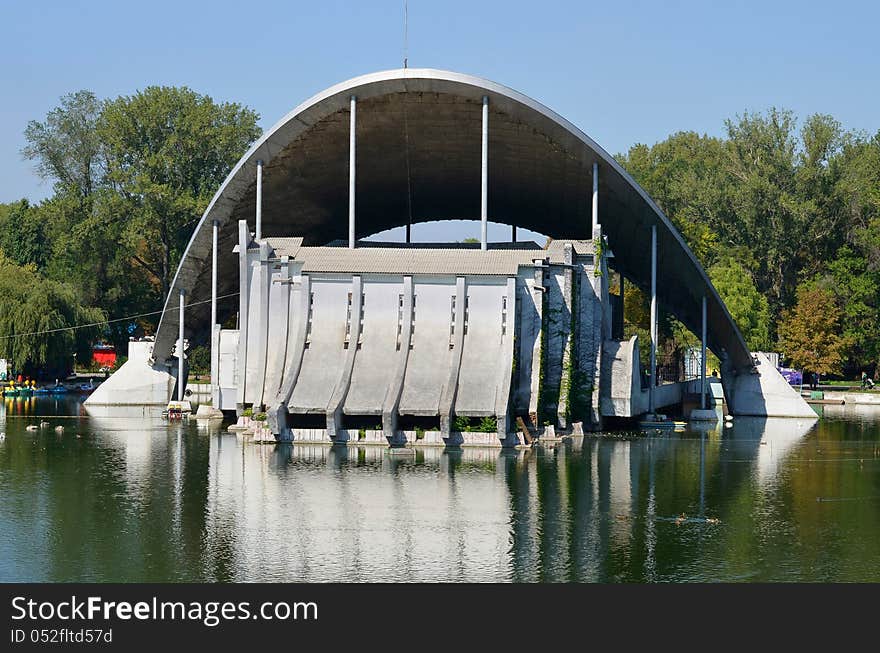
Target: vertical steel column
[(595, 197), (180, 349), (703, 360), (259, 233), (513, 233), (214, 344), (408, 232), (244, 238), (351, 171), (484, 179), (651, 404)]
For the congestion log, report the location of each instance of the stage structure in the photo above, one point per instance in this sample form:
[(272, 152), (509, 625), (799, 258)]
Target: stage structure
[(336, 328)]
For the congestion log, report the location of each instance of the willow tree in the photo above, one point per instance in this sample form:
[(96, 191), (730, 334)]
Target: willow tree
[(35, 319)]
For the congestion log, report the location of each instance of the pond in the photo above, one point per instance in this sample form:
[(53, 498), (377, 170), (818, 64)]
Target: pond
[(133, 498)]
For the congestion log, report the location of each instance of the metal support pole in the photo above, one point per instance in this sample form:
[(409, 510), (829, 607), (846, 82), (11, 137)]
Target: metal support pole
[(484, 179), (513, 233), (215, 235), (259, 233), (595, 197), (214, 344), (408, 233), (351, 171), (703, 360), (651, 404), (180, 349)]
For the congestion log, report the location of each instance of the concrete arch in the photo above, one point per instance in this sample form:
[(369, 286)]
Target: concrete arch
[(418, 160)]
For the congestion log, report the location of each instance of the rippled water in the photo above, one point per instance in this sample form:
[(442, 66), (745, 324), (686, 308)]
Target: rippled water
[(138, 499)]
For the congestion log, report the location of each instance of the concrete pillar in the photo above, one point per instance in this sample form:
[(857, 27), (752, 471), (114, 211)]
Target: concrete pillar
[(538, 333), (703, 360), (595, 196), (351, 171), (259, 327), (651, 405), (259, 231), (340, 392), (180, 379), (277, 412), (567, 375), (507, 430), (484, 178), (450, 390), (597, 329), (395, 387)]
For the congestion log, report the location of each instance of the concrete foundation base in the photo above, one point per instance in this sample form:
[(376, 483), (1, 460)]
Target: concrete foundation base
[(208, 412), (700, 415), (136, 382), (764, 393)]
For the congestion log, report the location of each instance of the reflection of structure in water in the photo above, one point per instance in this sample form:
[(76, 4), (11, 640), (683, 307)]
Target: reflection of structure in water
[(590, 509)]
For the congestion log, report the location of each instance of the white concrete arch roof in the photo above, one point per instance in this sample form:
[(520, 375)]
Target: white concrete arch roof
[(418, 160)]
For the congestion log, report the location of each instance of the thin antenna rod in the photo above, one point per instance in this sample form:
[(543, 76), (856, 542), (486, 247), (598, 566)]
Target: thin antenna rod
[(405, 32)]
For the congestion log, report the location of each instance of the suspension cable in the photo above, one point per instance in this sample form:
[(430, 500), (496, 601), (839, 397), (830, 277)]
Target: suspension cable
[(117, 319)]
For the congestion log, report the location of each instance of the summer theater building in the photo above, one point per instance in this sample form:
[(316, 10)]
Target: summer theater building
[(332, 327)]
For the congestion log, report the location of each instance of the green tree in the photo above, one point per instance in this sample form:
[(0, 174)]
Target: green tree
[(779, 198), (747, 306), (856, 289), (810, 332), (685, 175), (30, 304), (66, 147), (199, 360), (23, 235), (167, 150), (132, 176)]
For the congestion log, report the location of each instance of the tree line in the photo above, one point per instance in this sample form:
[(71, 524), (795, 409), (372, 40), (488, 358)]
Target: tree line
[(784, 215)]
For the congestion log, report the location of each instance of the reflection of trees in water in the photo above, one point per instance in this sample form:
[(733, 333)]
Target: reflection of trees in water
[(125, 504), (605, 508)]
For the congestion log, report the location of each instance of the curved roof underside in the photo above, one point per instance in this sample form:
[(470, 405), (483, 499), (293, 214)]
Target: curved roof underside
[(418, 159)]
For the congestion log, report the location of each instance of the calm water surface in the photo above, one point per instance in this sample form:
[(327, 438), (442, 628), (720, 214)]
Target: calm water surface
[(134, 498)]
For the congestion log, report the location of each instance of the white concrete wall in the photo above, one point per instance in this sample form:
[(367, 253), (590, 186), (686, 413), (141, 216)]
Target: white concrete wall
[(325, 353), (430, 356), (257, 334), (374, 361), (482, 357), (228, 357), (280, 296)]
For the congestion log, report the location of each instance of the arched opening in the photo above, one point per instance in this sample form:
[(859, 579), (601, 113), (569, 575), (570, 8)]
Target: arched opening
[(457, 231)]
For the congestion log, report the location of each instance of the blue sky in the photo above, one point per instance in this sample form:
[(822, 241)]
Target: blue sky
[(625, 72)]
